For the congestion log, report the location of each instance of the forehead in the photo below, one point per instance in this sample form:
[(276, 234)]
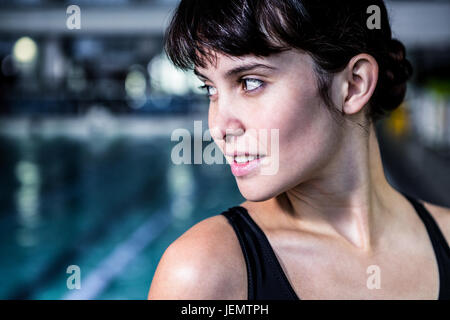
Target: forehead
[(219, 62)]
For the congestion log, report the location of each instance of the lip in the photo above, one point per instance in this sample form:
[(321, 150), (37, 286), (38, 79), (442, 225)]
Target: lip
[(242, 169)]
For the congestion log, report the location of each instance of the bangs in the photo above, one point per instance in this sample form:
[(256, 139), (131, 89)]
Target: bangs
[(199, 29)]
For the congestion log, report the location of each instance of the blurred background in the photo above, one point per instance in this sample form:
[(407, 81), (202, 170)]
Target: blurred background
[(86, 117)]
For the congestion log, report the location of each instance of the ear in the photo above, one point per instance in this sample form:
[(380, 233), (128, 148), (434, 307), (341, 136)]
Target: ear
[(360, 77)]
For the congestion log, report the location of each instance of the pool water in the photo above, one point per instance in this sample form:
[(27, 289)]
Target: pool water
[(109, 206)]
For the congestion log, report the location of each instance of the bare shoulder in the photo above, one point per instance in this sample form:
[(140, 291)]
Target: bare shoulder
[(206, 263), (442, 217)]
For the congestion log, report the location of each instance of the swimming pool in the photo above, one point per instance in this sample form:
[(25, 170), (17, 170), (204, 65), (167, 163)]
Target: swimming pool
[(109, 206)]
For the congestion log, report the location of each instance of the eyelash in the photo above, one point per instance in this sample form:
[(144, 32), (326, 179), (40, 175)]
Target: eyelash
[(240, 81), (203, 87)]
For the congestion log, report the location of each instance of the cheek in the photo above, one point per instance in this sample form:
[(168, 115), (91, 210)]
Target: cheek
[(211, 123), (298, 113), (308, 135), (214, 130)]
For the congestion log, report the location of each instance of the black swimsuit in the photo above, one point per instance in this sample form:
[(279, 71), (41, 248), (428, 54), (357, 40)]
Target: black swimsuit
[(266, 279)]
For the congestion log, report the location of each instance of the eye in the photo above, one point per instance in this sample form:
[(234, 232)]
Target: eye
[(210, 90), (251, 84)]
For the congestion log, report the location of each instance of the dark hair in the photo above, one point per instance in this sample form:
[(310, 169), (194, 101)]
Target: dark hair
[(331, 32)]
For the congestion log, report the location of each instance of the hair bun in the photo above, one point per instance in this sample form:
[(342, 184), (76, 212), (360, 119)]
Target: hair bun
[(394, 73), (398, 68)]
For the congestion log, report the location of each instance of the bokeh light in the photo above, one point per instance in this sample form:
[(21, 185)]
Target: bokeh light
[(25, 50)]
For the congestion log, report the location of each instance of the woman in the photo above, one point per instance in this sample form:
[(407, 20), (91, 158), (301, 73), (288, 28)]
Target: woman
[(326, 224)]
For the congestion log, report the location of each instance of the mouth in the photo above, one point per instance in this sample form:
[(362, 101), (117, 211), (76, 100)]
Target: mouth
[(242, 159), (242, 165)]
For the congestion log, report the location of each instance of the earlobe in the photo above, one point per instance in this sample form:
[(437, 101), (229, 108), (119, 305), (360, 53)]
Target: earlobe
[(361, 77)]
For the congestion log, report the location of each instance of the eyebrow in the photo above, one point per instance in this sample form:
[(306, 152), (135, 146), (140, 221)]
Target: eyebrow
[(239, 69)]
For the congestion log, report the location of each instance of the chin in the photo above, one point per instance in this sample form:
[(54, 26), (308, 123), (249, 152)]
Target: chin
[(253, 189)]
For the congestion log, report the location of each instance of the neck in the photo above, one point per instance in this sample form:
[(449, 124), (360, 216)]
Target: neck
[(346, 199)]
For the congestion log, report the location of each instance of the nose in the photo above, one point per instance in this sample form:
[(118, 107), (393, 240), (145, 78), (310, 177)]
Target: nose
[(224, 122), (234, 129), (224, 130)]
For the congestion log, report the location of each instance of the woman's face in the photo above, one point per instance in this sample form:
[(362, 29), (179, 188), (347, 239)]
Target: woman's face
[(251, 100)]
